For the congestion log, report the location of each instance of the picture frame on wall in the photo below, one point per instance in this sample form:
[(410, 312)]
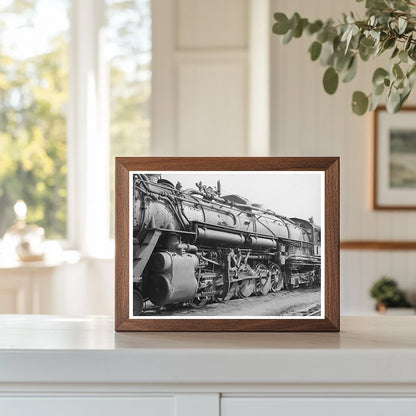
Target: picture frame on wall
[(227, 244), (394, 151)]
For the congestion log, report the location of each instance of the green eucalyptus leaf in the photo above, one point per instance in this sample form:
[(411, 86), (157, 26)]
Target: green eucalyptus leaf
[(411, 78), (395, 52), (379, 75), (412, 52), (400, 5), (394, 26), (314, 27), (347, 33), (351, 71), (389, 43), (408, 42), (404, 96), (374, 102), (359, 103), (376, 4), (322, 36), (367, 42), (402, 22), (355, 41), (351, 18), (366, 53), (341, 61), (378, 89), (352, 31), (315, 50), (288, 37), (411, 71), (403, 56), (281, 27), (393, 101), (387, 24), (298, 30), (330, 80), (327, 54), (294, 20), (337, 44), (397, 71)]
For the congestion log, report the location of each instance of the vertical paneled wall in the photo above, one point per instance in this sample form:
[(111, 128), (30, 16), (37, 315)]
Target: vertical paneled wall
[(216, 83), (305, 121), (204, 69)]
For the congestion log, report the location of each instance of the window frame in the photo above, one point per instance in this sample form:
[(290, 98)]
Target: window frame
[(87, 128), (88, 133)]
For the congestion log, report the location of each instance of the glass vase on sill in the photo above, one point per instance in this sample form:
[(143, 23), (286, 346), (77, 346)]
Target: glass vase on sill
[(26, 241)]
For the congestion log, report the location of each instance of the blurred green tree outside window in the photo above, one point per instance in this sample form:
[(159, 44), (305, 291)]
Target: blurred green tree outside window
[(33, 100), (34, 85), (129, 46)]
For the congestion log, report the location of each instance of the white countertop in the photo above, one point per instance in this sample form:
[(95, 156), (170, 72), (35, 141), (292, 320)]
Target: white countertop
[(52, 349)]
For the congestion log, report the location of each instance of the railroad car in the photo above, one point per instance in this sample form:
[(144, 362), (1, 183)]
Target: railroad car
[(196, 246)]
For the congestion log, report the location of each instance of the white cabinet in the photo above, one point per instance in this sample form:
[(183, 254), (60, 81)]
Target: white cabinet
[(80, 366), (88, 406), (272, 406)]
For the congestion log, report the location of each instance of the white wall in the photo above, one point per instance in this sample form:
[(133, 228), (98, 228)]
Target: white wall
[(210, 67), (202, 81), (308, 122)]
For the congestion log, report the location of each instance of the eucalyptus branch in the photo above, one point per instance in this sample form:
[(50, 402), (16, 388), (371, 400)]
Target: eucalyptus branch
[(389, 25)]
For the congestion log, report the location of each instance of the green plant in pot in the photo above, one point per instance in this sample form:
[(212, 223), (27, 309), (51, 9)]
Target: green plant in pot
[(389, 27), (387, 294)]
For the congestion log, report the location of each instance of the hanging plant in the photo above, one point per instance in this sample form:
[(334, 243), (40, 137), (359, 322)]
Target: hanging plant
[(388, 27)]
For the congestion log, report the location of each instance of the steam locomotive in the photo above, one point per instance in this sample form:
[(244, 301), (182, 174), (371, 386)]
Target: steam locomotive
[(196, 246)]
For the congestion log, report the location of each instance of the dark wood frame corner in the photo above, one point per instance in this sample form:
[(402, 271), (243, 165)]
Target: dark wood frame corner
[(330, 165), (375, 205)]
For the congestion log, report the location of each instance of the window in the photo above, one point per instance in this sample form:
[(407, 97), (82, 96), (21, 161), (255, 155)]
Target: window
[(75, 87), (33, 103), (129, 43)]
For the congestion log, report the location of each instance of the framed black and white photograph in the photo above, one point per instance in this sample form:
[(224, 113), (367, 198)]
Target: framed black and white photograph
[(226, 246), (394, 159)]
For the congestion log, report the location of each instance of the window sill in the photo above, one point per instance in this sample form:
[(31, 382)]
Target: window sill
[(64, 257)]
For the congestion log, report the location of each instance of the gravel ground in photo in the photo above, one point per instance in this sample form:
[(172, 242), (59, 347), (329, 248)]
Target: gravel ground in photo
[(298, 302)]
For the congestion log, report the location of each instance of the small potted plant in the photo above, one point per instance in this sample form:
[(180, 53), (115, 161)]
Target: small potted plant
[(387, 294)]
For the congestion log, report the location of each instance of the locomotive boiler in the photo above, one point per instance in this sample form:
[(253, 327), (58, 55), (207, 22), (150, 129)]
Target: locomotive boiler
[(196, 246)]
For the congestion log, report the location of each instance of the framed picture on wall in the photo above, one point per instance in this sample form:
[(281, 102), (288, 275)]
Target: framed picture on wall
[(227, 244), (394, 183)]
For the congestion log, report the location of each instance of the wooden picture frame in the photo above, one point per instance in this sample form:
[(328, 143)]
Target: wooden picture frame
[(135, 172), (394, 184)]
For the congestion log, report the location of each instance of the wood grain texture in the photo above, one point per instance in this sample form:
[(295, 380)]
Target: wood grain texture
[(376, 204), (330, 165), (121, 244)]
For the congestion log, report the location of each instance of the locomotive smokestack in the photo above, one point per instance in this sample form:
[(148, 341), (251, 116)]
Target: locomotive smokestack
[(219, 188)]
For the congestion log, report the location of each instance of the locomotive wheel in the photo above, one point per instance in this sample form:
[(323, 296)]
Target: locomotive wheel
[(137, 302), (223, 290), (198, 302), (276, 278), (264, 283), (246, 288), (232, 292)]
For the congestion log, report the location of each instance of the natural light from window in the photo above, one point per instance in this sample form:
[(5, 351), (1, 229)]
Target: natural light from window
[(33, 102), (39, 76), (129, 45)]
